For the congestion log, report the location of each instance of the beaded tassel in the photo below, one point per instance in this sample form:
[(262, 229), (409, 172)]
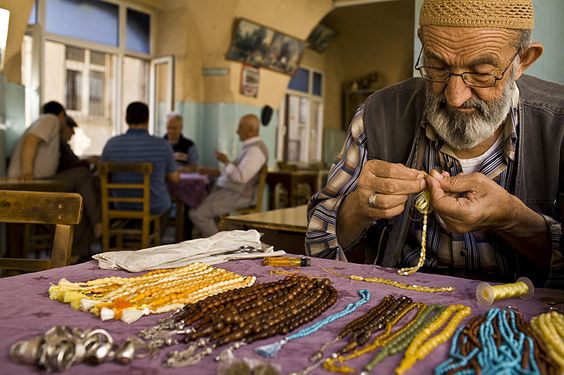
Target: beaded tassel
[(271, 350), (422, 203)]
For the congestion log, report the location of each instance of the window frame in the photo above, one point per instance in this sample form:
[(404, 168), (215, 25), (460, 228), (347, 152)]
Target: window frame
[(319, 99), (40, 37)]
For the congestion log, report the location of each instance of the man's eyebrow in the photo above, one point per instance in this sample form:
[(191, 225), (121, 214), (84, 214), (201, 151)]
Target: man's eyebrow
[(489, 60)]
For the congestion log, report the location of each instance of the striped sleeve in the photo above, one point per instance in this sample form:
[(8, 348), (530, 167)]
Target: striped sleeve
[(321, 237), (555, 277)]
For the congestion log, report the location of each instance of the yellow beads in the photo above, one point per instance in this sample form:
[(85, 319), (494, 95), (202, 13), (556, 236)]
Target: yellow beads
[(154, 292), (397, 284), (419, 349), (550, 328), (422, 203)]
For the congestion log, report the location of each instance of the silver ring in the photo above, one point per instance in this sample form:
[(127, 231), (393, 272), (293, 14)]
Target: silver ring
[(372, 201)]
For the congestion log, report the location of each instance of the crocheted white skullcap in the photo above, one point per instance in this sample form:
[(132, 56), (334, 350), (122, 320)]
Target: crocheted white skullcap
[(504, 14)]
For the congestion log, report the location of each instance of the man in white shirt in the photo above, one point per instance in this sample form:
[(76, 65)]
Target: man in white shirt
[(36, 156), (237, 184)]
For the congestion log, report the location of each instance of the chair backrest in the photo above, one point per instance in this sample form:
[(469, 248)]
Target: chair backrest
[(110, 191), (62, 209), (263, 173), (116, 194), (260, 187)]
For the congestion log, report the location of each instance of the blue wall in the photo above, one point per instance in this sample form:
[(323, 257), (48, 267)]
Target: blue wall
[(213, 126), (549, 30)]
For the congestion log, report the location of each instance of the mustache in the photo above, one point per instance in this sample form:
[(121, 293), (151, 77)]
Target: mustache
[(480, 106)]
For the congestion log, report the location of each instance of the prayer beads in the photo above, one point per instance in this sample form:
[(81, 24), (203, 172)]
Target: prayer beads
[(499, 341), (244, 316), (155, 292), (549, 327), (422, 203), (419, 349)]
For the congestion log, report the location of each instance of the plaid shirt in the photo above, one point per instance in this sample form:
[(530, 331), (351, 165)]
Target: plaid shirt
[(475, 253)]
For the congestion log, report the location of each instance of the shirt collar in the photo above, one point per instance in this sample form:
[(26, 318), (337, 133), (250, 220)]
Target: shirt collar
[(251, 140), (137, 131)]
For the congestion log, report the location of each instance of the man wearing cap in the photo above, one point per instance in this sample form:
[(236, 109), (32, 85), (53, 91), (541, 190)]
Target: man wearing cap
[(482, 137)]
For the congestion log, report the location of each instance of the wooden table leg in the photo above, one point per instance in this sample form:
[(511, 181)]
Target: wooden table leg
[(180, 213)]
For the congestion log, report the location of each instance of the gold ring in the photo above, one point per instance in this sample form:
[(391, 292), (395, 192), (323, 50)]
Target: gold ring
[(372, 201)]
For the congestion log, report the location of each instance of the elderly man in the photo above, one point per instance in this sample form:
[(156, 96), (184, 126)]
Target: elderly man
[(138, 145), (482, 137), (185, 151), (236, 186)]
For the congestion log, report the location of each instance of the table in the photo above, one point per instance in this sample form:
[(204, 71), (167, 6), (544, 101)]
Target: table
[(13, 247), (283, 228), (188, 193), (290, 180), (35, 185), (25, 311)]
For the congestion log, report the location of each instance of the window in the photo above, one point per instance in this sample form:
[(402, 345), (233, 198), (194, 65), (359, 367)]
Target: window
[(4, 21), (87, 65), (91, 20), (299, 136), (138, 31)]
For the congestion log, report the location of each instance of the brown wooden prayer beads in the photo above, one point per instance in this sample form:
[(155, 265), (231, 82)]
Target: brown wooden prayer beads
[(257, 312)]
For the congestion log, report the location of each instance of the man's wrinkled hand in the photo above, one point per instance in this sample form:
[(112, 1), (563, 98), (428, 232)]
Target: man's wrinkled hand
[(470, 202), (383, 188)]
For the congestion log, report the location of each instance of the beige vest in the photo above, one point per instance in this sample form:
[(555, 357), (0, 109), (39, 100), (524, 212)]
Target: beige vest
[(249, 188)]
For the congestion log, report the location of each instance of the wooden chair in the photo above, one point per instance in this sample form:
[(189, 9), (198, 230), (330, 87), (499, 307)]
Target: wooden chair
[(257, 207), (117, 222), (62, 209)]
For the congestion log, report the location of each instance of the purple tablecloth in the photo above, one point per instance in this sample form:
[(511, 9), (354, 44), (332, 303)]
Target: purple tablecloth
[(191, 190), (26, 310)]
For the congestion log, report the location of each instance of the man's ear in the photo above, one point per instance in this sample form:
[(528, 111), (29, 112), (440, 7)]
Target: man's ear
[(528, 57)]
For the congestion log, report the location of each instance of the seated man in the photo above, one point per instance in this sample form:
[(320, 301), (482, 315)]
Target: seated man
[(136, 145), (480, 135), (185, 151), (237, 183), (36, 155), (67, 157)]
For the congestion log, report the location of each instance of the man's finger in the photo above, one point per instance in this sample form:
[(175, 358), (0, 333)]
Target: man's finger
[(385, 169)]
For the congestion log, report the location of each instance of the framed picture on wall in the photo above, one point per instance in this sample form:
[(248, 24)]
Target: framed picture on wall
[(284, 54), (260, 46), (249, 43), (249, 81)]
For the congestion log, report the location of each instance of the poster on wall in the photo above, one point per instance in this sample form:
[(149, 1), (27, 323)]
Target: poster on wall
[(261, 46), (249, 43), (249, 81)]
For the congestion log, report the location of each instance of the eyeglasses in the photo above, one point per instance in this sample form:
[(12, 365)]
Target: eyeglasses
[(441, 75)]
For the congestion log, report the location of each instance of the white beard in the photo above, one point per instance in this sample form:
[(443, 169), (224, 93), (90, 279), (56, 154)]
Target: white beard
[(461, 130)]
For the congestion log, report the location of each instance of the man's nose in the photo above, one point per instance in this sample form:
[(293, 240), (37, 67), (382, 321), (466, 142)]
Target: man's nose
[(457, 92)]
